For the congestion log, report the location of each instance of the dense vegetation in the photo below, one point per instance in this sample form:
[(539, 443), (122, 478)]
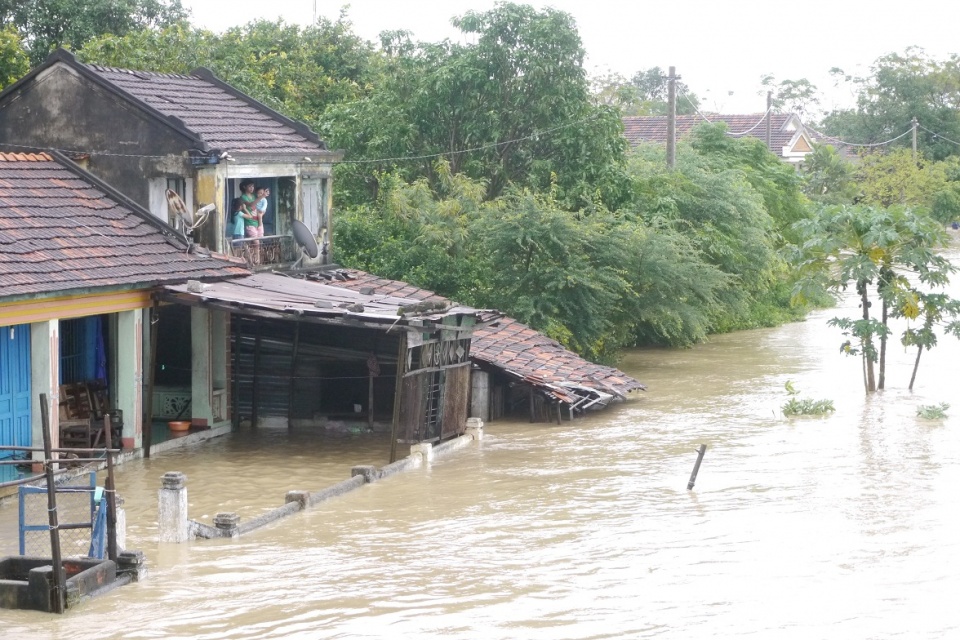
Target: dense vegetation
[(496, 173)]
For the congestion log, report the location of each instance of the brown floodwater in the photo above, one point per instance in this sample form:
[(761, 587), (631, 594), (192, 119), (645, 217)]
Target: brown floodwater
[(838, 527)]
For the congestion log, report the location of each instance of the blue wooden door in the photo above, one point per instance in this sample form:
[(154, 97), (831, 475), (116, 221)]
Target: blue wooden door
[(14, 387)]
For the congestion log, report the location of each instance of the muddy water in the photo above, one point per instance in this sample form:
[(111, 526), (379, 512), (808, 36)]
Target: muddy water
[(843, 527)]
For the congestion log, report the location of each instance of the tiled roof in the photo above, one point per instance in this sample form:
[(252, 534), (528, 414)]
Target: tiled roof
[(60, 232), (515, 348), (222, 119), (639, 129)]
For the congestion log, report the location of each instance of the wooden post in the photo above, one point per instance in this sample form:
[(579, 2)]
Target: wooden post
[(255, 391), (671, 118), (533, 405), (110, 491), (914, 125), (151, 381), (398, 394), (59, 587), (370, 402), (696, 466), (769, 135), (293, 373), (235, 400)]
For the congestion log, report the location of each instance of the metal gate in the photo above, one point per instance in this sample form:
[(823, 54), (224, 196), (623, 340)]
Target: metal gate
[(76, 512)]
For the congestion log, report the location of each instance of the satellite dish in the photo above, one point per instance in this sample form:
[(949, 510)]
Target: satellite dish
[(306, 242)]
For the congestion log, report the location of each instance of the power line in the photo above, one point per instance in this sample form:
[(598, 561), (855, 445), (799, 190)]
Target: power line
[(934, 133), (532, 136), (492, 145), (864, 144), (729, 133)]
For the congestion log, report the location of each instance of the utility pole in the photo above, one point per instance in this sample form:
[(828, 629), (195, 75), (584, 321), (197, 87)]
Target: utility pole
[(671, 118), (769, 116), (914, 123)]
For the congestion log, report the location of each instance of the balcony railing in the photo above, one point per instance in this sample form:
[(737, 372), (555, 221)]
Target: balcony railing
[(266, 251)]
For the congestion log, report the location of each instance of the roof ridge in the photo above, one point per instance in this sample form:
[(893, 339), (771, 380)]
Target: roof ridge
[(25, 157), (143, 74)]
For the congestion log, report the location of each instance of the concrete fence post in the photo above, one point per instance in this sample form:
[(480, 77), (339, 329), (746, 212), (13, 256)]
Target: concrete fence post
[(474, 429), (369, 472), (228, 524), (425, 449), (172, 509), (132, 563)]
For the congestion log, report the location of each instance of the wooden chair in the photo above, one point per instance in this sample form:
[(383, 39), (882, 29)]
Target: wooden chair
[(82, 409)]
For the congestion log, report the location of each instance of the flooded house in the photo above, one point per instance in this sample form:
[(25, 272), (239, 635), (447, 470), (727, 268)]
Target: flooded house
[(79, 266), (289, 336)]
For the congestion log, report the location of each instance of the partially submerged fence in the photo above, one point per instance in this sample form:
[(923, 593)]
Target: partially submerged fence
[(175, 526)]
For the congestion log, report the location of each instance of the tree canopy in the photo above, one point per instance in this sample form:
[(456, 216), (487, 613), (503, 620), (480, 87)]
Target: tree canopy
[(902, 86), (44, 25)]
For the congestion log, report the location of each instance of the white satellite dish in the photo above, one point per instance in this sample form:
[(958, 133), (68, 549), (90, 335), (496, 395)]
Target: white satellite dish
[(306, 241)]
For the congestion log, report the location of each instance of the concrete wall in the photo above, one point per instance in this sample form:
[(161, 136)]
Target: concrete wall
[(63, 110)]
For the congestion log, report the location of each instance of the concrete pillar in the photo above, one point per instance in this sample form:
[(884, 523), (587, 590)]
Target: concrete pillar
[(480, 394), (425, 449), (172, 510), (44, 378), (369, 472), (201, 345), (300, 497), (129, 355), (228, 524), (474, 429), (219, 345), (132, 563)]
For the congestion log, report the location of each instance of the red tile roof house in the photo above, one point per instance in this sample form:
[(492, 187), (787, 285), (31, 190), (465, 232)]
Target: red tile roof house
[(789, 139), (79, 264), (144, 132)]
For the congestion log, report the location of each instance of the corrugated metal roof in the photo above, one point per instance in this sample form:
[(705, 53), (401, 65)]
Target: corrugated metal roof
[(514, 348), (279, 294)]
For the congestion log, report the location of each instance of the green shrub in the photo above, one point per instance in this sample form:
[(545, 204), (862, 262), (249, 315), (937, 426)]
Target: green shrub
[(933, 411)]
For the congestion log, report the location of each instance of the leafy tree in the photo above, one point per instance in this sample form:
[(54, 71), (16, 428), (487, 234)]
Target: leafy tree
[(894, 178), (932, 309), (717, 198), (792, 96), (828, 177), (14, 62), (512, 107), (863, 246), (902, 86), (47, 24), (645, 94)]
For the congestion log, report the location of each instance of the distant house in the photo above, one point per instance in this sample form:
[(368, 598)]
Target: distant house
[(789, 139), (145, 132), (79, 266)]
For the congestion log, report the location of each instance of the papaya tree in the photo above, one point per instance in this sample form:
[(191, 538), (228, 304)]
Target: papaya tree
[(931, 309), (869, 249)]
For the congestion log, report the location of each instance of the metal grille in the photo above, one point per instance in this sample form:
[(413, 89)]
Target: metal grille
[(74, 506), (268, 250)]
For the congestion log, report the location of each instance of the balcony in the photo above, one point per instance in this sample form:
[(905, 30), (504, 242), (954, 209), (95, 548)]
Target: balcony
[(268, 251)]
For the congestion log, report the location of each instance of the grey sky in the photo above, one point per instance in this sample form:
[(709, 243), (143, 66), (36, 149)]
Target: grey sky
[(721, 49)]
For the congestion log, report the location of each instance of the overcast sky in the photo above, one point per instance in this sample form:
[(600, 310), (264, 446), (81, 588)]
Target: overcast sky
[(720, 49)]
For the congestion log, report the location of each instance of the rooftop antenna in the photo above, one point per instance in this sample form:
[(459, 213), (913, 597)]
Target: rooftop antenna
[(306, 241), (188, 219)]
